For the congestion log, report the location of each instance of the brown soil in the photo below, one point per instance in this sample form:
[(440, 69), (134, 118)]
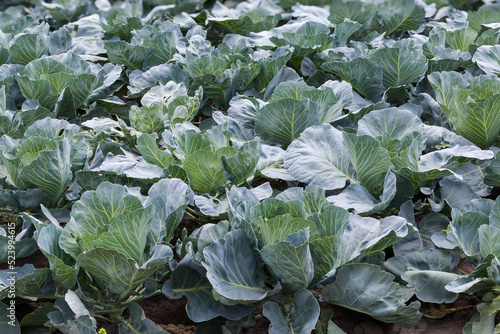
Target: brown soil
[(168, 314)]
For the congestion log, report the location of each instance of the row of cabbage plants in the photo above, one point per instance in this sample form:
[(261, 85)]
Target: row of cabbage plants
[(341, 152)]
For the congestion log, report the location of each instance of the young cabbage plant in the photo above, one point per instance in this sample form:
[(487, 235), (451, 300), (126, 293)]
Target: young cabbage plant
[(274, 251), (114, 251), (38, 168), (65, 82), (475, 230)]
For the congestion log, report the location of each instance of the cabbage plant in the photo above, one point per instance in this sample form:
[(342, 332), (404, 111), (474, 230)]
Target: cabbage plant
[(38, 168), (273, 251), (113, 251)]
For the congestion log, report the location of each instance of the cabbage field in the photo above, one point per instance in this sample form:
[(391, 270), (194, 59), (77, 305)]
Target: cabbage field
[(260, 166)]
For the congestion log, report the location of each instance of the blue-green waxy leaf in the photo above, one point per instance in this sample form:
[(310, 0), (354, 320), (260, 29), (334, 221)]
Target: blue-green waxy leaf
[(457, 194), (281, 121), (400, 65), (478, 121), (125, 274), (361, 236), (333, 97), (351, 10), (482, 321), (132, 56), (278, 228), (169, 197), (11, 166), (146, 143), (4, 55), (421, 237), (49, 128), (428, 271), (61, 264), (128, 233), (345, 29), (331, 221), (364, 76), (302, 202), (356, 197), (241, 26), (442, 163), (488, 59), (205, 171), (49, 65), (50, 171), (130, 165), (270, 67), (291, 261), (8, 74), (468, 106), (29, 199), (187, 143), (365, 288), (29, 282), (90, 180), (65, 105), (465, 229), (320, 157), (370, 160), (460, 39), (444, 85), (495, 214), (28, 47), (72, 316), (59, 41), (284, 74), (291, 90), (231, 265), (188, 278), (492, 177), (96, 209), (163, 46), (484, 15), (400, 15), (271, 163), (395, 123), (309, 38), (147, 119), (212, 232), (164, 94), (93, 214), (244, 110), (301, 319), (219, 83), (241, 166), (387, 231), (489, 240), (39, 90), (65, 10), (140, 81), (446, 59)]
